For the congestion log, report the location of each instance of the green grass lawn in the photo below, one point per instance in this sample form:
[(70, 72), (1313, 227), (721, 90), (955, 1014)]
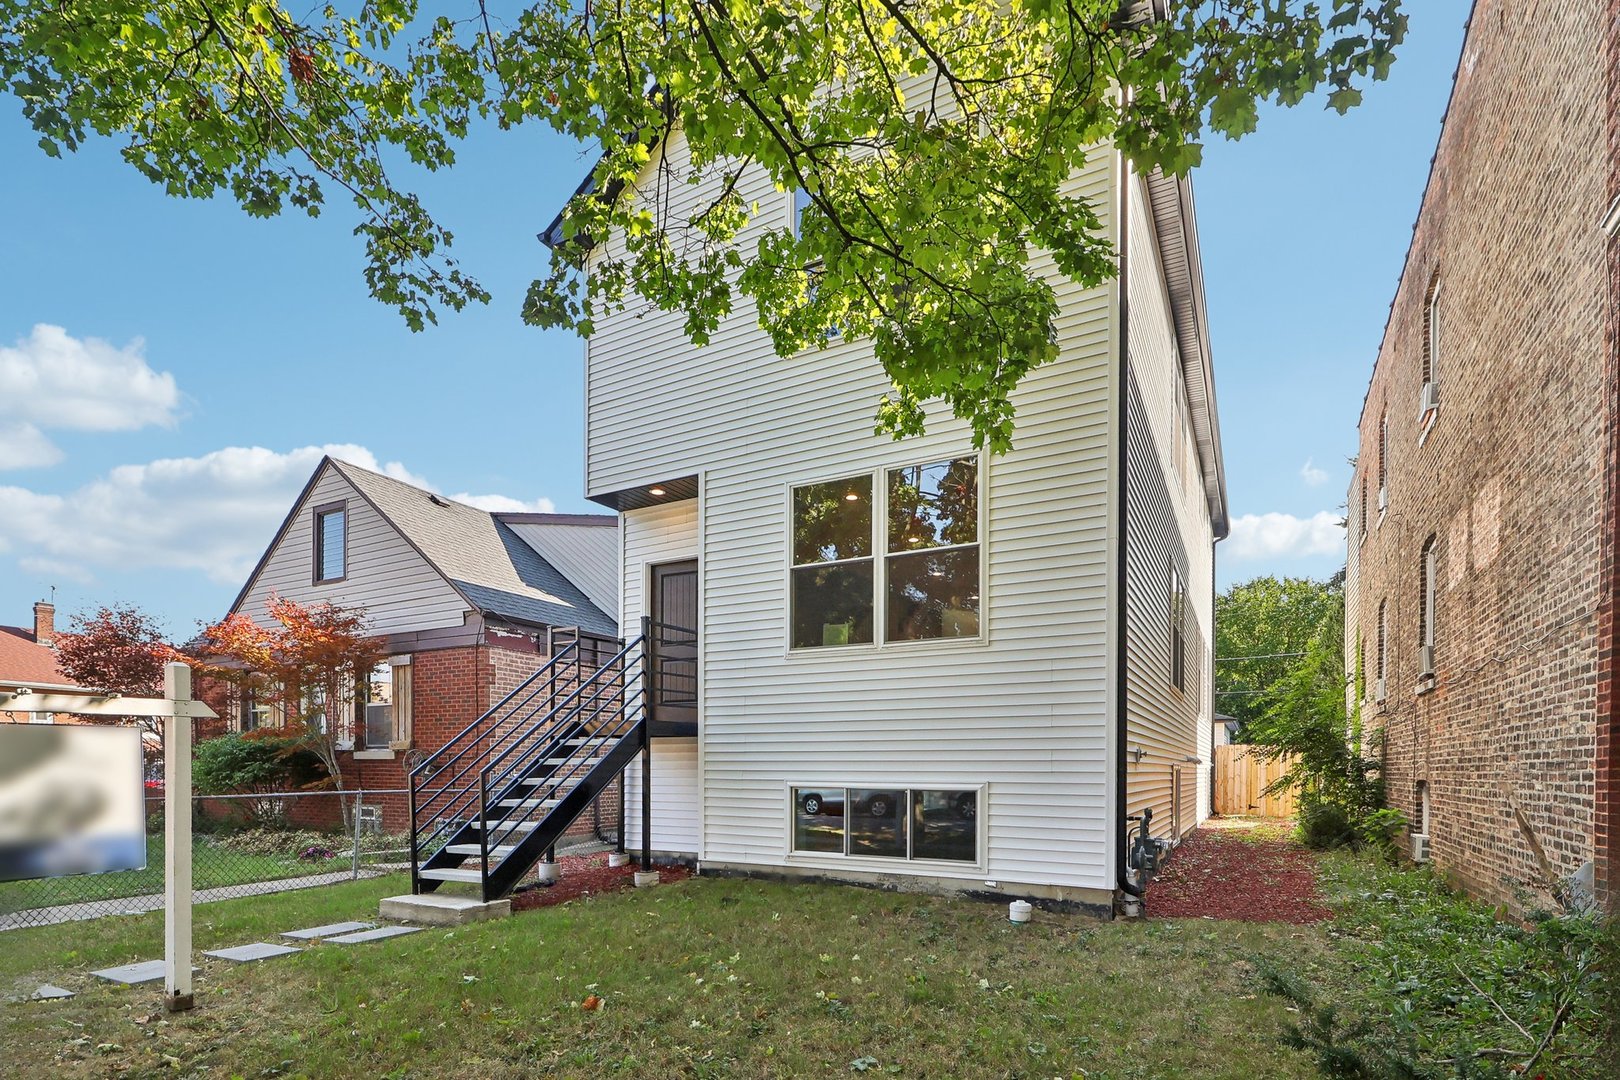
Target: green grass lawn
[(703, 978), (212, 866)]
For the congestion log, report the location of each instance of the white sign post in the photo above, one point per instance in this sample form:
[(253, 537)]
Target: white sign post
[(177, 840)]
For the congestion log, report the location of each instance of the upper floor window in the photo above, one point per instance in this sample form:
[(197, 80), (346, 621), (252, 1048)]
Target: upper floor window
[(1383, 462), (930, 566), (1426, 590), (1429, 399), (1361, 525), (801, 203), (1178, 630), (331, 542)]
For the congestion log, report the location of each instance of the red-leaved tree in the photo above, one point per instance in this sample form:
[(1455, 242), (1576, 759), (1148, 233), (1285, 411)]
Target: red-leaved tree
[(306, 666), (120, 650)]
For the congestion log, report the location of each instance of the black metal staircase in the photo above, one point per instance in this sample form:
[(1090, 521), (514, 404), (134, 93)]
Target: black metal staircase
[(495, 799)]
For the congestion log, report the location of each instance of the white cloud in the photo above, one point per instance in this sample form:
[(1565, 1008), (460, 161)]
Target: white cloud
[(1313, 476), (51, 380), (211, 514), (1284, 536), (502, 504)]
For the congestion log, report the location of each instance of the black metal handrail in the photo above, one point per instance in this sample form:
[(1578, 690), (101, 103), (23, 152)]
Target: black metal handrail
[(461, 799), (500, 826), (579, 689), (610, 697)]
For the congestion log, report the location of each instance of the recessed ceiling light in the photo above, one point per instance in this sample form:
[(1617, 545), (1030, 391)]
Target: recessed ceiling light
[(655, 491)]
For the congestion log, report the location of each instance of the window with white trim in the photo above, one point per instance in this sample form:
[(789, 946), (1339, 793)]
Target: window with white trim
[(929, 582), (1427, 584), (887, 822), (1178, 630), (1383, 649), (1429, 397)]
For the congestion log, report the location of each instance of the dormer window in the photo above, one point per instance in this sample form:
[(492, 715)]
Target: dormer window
[(331, 542)]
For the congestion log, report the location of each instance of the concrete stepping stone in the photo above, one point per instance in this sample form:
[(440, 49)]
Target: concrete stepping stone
[(50, 993), (130, 974), (374, 935), (259, 950), (329, 930)]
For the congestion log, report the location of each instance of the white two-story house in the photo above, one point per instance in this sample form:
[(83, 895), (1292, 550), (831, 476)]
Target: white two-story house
[(918, 664)]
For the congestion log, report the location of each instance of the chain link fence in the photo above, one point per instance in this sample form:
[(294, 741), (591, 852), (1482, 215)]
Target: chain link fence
[(242, 845)]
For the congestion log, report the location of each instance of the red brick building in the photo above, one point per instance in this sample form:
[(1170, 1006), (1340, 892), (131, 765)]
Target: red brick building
[(1482, 514), (470, 603)]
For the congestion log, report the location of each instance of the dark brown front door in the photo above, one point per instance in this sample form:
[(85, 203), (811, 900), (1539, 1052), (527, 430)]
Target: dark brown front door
[(673, 647)]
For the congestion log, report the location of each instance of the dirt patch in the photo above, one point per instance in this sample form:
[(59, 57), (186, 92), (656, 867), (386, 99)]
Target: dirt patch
[(1238, 869), (589, 875)]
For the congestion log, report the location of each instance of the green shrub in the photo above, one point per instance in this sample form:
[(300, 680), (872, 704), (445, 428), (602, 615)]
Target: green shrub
[(1324, 824), (255, 765)]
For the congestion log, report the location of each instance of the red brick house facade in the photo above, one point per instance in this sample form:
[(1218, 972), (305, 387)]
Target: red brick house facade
[(470, 604), (1482, 514)]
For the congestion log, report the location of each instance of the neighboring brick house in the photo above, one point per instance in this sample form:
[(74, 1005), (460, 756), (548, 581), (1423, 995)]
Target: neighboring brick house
[(28, 662), (1482, 513), (468, 601)]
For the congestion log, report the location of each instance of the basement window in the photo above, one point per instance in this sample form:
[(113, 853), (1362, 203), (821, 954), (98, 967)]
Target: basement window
[(887, 822)]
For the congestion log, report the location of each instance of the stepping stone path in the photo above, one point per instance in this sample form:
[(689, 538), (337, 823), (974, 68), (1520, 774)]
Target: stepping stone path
[(374, 935), (50, 993), (329, 930), (130, 974), (343, 933), (259, 950)]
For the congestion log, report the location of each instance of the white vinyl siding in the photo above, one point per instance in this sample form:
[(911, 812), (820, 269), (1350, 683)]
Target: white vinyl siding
[(675, 791), (385, 575), (1170, 539), (660, 534), (1023, 711)]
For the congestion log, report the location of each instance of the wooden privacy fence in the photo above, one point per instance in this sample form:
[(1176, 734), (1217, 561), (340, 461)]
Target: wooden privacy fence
[(1241, 778)]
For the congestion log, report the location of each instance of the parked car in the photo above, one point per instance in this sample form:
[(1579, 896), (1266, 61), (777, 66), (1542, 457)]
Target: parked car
[(880, 804)]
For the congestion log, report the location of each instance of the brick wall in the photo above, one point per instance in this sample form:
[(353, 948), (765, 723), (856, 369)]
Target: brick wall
[(1607, 815), (1510, 479)]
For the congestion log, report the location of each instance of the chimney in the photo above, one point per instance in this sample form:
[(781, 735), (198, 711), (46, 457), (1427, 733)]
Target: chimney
[(44, 622)]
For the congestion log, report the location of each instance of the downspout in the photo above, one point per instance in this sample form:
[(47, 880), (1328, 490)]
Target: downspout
[(1121, 566)]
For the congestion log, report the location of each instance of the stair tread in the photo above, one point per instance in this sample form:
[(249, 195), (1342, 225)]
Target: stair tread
[(499, 851), (456, 874)]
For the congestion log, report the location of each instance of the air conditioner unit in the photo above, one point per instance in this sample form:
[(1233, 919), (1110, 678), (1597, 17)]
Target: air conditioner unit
[(1383, 499), (1378, 689), (1429, 400), (1420, 847), (1425, 661)]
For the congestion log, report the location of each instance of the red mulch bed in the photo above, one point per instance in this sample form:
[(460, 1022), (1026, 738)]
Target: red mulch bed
[(589, 875), (1239, 870)]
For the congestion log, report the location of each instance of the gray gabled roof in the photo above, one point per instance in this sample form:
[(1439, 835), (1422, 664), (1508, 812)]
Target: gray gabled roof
[(479, 555)]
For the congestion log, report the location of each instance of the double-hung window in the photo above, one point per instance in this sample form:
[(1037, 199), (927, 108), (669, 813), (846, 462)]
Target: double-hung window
[(926, 582), (1429, 398)]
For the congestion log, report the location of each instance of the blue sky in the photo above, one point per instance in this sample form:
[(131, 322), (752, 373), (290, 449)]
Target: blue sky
[(195, 362)]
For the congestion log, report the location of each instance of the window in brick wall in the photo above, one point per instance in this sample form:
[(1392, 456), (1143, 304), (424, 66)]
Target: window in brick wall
[(1383, 650), (1429, 398), (1383, 464), (1361, 526), (1427, 581), (387, 705)]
